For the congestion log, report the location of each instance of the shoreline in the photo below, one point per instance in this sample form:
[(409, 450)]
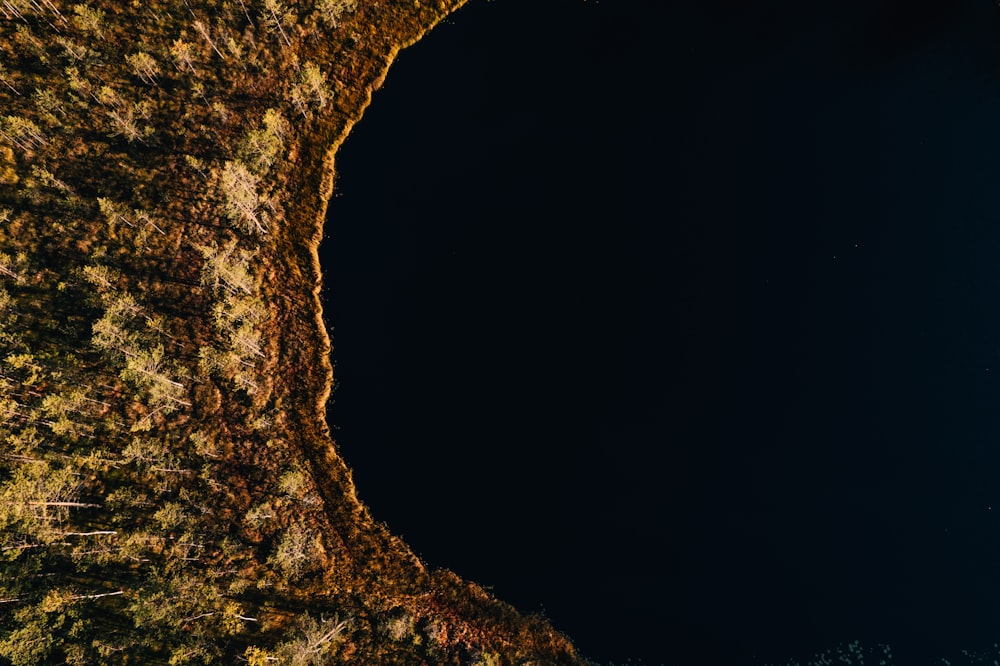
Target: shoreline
[(170, 325), (327, 185)]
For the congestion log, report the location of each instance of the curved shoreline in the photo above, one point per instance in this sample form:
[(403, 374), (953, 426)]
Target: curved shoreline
[(438, 595), (327, 184), (333, 474), (162, 299)]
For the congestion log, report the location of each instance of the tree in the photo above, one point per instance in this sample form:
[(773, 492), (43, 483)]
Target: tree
[(5, 78), (218, 362), (59, 407), (234, 47), (183, 55), (298, 484), (90, 20), (333, 10), (314, 641), (37, 498), (72, 49), (245, 339), (113, 212), (13, 267), (111, 333), (261, 146), (104, 278), (242, 203), (123, 124), (21, 132), (278, 14), (170, 516), (144, 66), (310, 88), (79, 84), (298, 552), (27, 362), (8, 175), (46, 178), (50, 106), (30, 641), (202, 30), (236, 309), (146, 369), (146, 221), (276, 124), (227, 269)]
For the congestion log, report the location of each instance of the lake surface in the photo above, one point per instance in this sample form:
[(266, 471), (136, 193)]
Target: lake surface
[(682, 323)]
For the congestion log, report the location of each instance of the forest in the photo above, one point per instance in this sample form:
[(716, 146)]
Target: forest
[(169, 489)]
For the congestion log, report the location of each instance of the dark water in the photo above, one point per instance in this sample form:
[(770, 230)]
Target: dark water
[(680, 322)]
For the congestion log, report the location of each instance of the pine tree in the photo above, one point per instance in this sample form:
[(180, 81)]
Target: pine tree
[(90, 21), (242, 202), (227, 269), (333, 10), (183, 55), (144, 66)]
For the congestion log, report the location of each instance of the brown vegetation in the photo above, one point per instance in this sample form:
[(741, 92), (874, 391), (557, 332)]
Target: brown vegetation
[(169, 490)]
